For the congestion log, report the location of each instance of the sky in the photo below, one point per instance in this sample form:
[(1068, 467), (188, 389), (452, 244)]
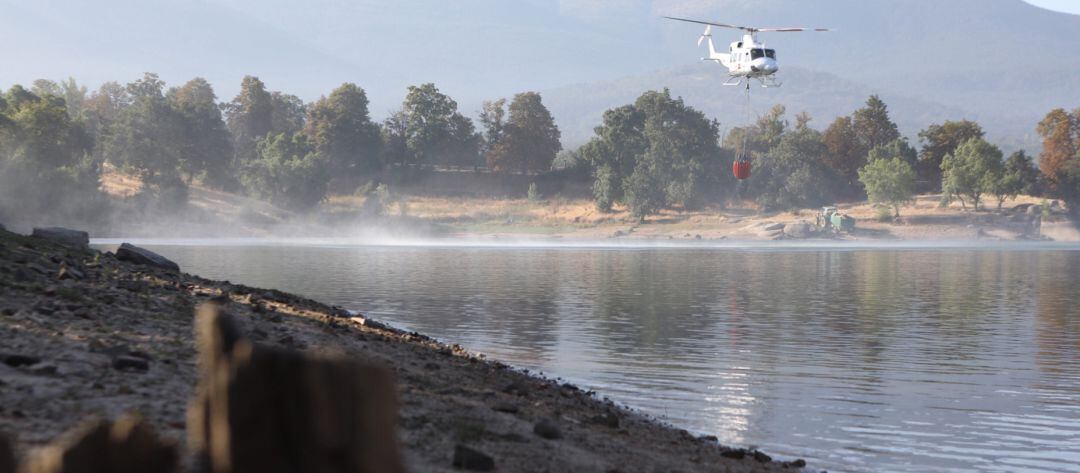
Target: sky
[(1068, 6)]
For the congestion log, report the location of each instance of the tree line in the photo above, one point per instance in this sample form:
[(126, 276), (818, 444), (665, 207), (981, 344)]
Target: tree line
[(655, 153), (267, 144), (660, 153)]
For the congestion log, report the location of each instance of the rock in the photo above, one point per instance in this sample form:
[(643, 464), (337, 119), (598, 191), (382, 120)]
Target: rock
[(547, 428), (67, 272), (15, 360), (134, 254), (475, 460), (518, 388), (761, 457), (63, 236), (773, 227), (800, 229), (607, 419), (507, 408), (130, 363), (21, 275)]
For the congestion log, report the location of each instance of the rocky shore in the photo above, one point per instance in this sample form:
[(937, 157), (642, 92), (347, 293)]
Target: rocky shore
[(86, 333)]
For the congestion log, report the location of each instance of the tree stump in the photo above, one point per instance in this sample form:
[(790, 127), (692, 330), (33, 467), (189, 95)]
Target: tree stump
[(266, 410), (7, 454), (98, 446)]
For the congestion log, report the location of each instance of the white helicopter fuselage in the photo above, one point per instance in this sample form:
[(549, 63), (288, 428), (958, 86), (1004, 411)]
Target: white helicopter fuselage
[(746, 58)]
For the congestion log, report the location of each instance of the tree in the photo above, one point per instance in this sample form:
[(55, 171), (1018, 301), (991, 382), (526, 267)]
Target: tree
[(493, 119), (434, 131), (939, 141), (1023, 167), (147, 137), (889, 181), (250, 116), (528, 141), (872, 124), (206, 145), (46, 169), (613, 153), (1060, 131), (287, 171), (343, 133), (846, 154), (972, 170), (897, 149), (653, 154), (791, 173), (1069, 185), (287, 113)]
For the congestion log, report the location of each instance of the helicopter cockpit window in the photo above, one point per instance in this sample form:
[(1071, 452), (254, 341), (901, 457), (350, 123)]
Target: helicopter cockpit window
[(758, 53)]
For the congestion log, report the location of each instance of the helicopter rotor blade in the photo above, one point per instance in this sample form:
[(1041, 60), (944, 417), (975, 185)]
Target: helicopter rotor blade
[(790, 30), (750, 29), (722, 25), (708, 32)]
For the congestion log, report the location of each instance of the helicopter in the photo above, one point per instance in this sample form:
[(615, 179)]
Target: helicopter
[(747, 59)]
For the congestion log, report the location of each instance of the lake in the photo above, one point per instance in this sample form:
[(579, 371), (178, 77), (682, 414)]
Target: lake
[(856, 359)]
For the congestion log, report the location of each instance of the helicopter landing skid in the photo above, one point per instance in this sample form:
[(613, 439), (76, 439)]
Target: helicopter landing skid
[(769, 82), (738, 81)]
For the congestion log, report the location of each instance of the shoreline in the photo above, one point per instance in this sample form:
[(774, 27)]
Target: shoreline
[(70, 313)]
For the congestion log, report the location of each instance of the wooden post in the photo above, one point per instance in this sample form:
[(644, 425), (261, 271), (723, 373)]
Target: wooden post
[(267, 410), (125, 446)]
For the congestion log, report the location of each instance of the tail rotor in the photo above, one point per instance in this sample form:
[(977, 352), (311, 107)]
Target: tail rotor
[(706, 34)]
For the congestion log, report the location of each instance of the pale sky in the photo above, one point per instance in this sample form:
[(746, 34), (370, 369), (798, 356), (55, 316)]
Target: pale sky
[(1068, 6)]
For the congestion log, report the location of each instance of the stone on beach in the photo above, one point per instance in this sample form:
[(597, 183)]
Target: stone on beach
[(134, 254), (64, 236)]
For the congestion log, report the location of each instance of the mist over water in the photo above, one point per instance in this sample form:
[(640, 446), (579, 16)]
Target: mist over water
[(903, 358)]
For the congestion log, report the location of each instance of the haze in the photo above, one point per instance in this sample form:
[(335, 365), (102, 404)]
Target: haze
[(986, 67)]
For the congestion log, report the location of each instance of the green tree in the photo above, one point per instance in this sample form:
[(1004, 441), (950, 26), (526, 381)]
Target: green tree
[(287, 113), (206, 145), (872, 124), (791, 174), (939, 141), (434, 131), (1023, 166), (343, 132), (889, 181), (250, 116), (653, 154), (972, 170), (493, 120), (896, 149), (528, 141), (147, 137), (287, 171), (46, 169)]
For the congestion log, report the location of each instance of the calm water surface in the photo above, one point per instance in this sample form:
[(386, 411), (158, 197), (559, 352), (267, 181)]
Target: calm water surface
[(872, 359)]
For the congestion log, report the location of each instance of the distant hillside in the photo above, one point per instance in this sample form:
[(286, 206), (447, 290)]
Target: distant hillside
[(1002, 62), (578, 108)]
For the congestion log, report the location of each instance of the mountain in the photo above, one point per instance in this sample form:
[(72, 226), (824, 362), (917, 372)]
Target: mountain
[(1002, 62), (578, 108)]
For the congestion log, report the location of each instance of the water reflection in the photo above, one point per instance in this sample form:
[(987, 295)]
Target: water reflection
[(857, 360)]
